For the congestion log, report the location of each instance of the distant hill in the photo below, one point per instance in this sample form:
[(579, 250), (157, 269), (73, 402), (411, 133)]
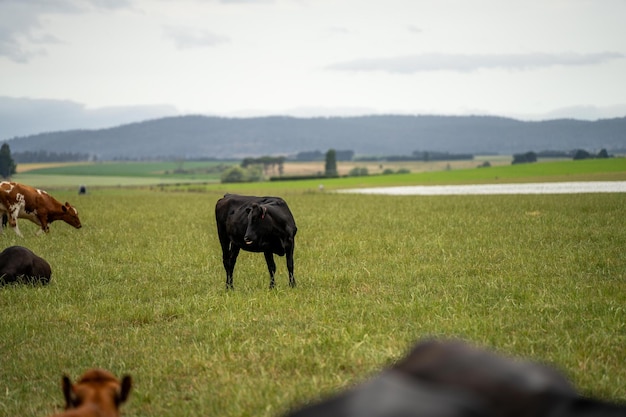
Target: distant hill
[(218, 137)]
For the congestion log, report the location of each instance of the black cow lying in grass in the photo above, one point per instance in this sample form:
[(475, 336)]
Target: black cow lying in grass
[(452, 379), (255, 224), (20, 264)]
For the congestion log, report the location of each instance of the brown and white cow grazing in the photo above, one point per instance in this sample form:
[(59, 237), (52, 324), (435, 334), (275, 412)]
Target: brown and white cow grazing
[(22, 201), (97, 393)]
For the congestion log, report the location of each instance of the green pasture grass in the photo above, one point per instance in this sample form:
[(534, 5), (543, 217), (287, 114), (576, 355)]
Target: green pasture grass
[(613, 169), (153, 174), (127, 169), (550, 171), (120, 174), (140, 289), (73, 182)]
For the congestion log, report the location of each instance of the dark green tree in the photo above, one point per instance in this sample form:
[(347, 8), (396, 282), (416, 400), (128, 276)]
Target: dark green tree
[(524, 158), (234, 174), (581, 154), (358, 172), (330, 169), (7, 164), (603, 154)]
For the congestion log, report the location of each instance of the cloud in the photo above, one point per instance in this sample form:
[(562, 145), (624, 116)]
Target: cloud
[(24, 116), (245, 1), (20, 22), (340, 30), (467, 63), (185, 38), (414, 29)]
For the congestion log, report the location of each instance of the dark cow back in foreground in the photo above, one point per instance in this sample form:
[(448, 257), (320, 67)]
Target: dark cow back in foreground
[(453, 379), (25, 202), (255, 224), (97, 393), (18, 263)]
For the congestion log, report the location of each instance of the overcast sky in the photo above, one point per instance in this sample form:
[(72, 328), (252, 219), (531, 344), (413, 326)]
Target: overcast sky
[(519, 58)]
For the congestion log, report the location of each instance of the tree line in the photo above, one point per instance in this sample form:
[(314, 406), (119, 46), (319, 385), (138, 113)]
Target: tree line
[(578, 154), (8, 161), (252, 169), (45, 156)]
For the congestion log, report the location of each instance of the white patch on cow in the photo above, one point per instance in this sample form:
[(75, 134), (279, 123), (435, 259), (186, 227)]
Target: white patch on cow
[(17, 210), (6, 184)]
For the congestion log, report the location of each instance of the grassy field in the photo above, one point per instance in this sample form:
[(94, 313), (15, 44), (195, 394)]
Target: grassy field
[(70, 176), (118, 174), (140, 290)]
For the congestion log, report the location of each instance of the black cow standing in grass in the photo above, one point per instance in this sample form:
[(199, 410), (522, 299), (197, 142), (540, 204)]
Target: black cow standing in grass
[(18, 263), (255, 224)]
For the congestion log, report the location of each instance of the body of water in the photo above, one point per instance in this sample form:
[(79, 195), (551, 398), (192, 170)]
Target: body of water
[(476, 189)]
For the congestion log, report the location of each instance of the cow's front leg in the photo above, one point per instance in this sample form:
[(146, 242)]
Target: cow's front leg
[(271, 267), (43, 222), (17, 231), (13, 222), (229, 265), (289, 257), (43, 229)]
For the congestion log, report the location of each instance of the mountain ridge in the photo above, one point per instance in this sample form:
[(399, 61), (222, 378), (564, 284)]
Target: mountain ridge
[(199, 136)]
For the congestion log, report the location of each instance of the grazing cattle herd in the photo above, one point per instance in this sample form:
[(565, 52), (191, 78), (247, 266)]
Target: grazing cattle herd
[(436, 379)]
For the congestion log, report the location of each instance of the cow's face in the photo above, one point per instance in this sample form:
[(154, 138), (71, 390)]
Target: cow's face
[(256, 216), (70, 215)]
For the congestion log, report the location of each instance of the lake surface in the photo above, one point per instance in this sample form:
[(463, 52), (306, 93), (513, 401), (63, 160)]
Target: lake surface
[(476, 189)]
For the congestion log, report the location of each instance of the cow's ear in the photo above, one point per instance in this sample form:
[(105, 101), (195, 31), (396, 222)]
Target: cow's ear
[(264, 211), (64, 208), (124, 391), (68, 392)]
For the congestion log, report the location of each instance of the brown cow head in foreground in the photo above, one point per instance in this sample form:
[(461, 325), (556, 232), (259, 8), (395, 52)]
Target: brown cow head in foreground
[(97, 393)]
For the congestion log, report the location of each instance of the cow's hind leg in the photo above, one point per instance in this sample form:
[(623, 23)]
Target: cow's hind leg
[(271, 267), (289, 257), (230, 258)]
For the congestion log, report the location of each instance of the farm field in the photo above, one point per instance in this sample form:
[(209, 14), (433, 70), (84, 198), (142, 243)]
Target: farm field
[(138, 174), (290, 167), (124, 174), (140, 290)]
